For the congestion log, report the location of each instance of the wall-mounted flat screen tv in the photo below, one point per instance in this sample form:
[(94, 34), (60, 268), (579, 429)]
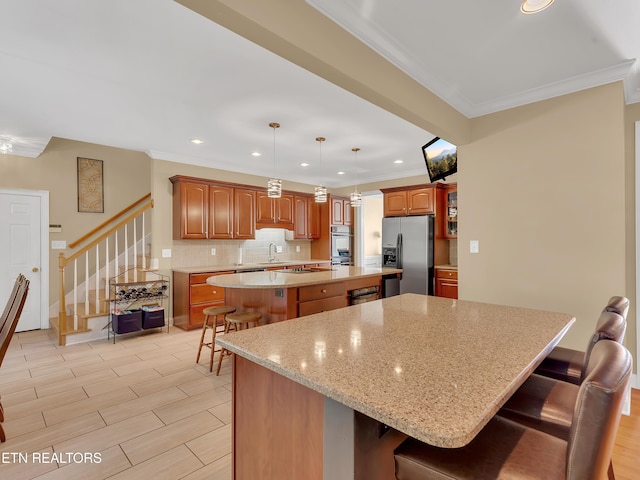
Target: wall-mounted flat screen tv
[(441, 158)]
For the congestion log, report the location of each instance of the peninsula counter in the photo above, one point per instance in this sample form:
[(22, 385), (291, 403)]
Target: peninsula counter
[(312, 397)]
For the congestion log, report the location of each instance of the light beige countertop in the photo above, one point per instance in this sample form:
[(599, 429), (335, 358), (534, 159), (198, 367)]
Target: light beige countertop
[(250, 266), (287, 279), (434, 368)]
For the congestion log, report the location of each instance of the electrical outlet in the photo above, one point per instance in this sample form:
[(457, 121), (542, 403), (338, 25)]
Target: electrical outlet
[(213, 251), (474, 246), (279, 249), (297, 248)]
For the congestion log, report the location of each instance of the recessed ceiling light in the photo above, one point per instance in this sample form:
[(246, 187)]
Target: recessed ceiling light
[(304, 164), (534, 6), (256, 154), (398, 161), (197, 141), (341, 173)]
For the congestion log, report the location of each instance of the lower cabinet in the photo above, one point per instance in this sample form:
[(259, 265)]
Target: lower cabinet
[(321, 298), (191, 295), (446, 282)]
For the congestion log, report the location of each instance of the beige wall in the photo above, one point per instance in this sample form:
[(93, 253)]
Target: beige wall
[(126, 179), (542, 189), (372, 229)]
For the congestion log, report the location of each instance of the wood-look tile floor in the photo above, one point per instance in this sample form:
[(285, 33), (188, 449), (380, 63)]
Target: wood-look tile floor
[(142, 406)]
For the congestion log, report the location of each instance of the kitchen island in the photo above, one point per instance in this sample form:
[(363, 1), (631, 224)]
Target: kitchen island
[(313, 397), (284, 294)]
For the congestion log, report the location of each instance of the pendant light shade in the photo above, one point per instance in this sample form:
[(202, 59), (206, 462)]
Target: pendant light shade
[(320, 191), (274, 185), (356, 197)]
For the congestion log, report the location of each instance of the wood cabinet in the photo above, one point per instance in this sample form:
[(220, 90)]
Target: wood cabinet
[(210, 210), (192, 294), (321, 298), (413, 201), (306, 221), (451, 212), (341, 213), (274, 212), (446, 282)]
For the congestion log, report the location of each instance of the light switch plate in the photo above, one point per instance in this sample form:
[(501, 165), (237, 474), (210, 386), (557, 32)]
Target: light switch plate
[(279, 249), (297, 248), (166, 253), (58, 244), (213, 251), (474, 246)]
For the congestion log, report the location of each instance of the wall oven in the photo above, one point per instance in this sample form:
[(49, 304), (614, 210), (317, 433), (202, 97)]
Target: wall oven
[(341, 245)]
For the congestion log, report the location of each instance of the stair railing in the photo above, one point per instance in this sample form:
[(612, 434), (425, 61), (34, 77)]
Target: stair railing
[(98, 258)]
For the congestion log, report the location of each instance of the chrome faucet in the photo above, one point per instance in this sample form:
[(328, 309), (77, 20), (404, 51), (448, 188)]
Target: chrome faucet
[(275, 250)]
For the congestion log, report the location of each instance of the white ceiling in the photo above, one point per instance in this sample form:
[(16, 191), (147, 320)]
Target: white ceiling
[(149, 75)]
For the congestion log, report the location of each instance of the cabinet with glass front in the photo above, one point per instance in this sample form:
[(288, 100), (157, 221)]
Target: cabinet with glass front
[(451, 196)]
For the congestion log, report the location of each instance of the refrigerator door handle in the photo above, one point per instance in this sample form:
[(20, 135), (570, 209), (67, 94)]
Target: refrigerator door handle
[(399, 252)]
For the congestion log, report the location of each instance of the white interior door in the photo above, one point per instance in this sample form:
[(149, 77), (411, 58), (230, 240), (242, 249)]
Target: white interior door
[(21, 251)]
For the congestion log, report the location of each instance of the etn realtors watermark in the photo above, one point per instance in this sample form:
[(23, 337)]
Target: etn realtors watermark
[(61, 458)]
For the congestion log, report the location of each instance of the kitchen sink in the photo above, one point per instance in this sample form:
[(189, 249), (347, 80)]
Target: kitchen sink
[(271, 263), (296, 270)]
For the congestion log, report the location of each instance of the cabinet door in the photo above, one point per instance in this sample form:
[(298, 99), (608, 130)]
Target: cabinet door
[(337, 205), (347, 212), (395, 204), (446, 288), (313, 219), (245, 213), (220, 212), (421, 202), (451, 214), (284, 209), (300, 225), (192, 210), (266, 208)]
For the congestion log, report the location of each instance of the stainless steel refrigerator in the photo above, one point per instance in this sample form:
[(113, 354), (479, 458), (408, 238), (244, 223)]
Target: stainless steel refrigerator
[(407, 243)]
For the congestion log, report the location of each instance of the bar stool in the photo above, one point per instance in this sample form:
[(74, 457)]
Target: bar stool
[(215, 312), (237, 321)]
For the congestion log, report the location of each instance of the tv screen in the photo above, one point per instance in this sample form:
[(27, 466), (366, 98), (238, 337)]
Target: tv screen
[(441, 158)]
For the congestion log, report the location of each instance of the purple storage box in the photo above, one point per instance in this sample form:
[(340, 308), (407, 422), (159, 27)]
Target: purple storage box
[(126, 322), (153, 319)]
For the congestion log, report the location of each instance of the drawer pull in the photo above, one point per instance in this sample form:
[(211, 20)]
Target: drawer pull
[(324, 290)]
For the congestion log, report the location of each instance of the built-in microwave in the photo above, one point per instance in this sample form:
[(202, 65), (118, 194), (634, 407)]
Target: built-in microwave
[(341, 245)]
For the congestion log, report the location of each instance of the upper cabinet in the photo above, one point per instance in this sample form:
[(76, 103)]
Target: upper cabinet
[(341, 213), (207, 210), (274, 212), (306, 222), (451, 200), (409, 201)]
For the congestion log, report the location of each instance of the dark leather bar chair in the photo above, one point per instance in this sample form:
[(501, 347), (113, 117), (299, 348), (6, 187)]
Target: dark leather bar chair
[(8, 327), (567, 364), (508, 450)]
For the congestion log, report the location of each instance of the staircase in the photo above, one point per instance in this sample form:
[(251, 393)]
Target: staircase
[(118, 245)]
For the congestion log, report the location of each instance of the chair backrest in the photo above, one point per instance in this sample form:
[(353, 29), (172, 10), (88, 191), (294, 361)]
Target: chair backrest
[(610, 326), (12, 319), (619, 305), (597, 412), (12, 297)]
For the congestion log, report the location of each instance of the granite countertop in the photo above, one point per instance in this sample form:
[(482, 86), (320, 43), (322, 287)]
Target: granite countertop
[(249, 266), (287, 279), (434, 368)]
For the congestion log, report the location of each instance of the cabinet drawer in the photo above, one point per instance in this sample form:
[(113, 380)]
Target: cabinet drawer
[(318, 292), (202, 277), (323, 305), (206, 293), (451, 274)]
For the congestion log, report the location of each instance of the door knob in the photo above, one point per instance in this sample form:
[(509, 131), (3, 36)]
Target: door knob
[(34, 269)]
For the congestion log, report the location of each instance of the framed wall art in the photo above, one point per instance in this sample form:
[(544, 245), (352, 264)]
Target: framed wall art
[(90, 186)]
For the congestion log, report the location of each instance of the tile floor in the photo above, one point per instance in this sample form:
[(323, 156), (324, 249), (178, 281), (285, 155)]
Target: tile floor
[(141, 406)]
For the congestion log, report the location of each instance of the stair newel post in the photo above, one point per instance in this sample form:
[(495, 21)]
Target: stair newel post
[(75, 293), (116, 256), (62, 311), (106, 268), (97, 276), (86, 282), (135, 252), (144, 250), (126, 253)]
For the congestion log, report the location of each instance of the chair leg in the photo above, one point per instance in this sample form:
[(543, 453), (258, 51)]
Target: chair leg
[(1, 412), (223, 351), (3, 437), (213, 342), (610, 473), (204, 329)]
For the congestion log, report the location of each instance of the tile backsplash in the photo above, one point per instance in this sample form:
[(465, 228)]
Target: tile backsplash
[(197, 253)]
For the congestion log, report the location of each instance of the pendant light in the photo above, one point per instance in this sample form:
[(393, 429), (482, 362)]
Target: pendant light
[(320, 191), (274, 185), (356, 197)]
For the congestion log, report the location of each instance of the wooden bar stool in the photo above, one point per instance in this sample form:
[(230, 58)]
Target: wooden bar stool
[(215, 313), (237, 321)]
